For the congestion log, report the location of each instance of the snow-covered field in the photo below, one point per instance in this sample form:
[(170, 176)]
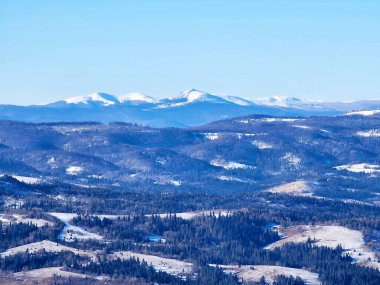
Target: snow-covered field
[(232, 179), (297, 188), (253, 273), (168, 265), (302, 127), (212, 136), (13, 203), (269, 120), (48, 272), (369, 133), (261, 145), (74, 170), (48, 246), (331, 236), (364, 113), (193, 215), (230, 164), (71, 232), (360, 168), (24, 179), (15, 218), (292, 159)]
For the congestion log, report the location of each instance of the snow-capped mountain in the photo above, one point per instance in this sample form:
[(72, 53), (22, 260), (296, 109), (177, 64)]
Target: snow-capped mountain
[(136, 98), (103, 99), (190, 108)]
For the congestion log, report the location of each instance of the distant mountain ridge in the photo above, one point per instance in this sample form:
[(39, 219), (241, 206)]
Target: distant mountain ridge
[(190, 108)]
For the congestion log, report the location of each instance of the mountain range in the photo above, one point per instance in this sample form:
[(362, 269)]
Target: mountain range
[(338, 156), (190, 108)]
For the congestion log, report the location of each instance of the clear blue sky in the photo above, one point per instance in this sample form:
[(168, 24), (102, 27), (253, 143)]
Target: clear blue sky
[(322, 49)]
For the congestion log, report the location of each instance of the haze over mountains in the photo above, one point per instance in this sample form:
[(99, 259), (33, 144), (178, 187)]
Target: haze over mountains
[(190, 108)]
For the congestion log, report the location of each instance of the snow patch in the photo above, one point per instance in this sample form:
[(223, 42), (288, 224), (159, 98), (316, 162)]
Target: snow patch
[(297, 188), (24, 179), (104, 99), (292, 159), (230, 178), (49, 272), (193, 215), (253, 273), (46, 245), (230, 164), (364, 113), (211, 136), (301, 127), (70, 232), (171, 266), (331, 236), (136, 97), (369, 133), (176, 182), (360, 168), (261, 145), (74, 170)]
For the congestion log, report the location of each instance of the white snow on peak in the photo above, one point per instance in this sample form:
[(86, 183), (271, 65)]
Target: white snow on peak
[(194, 95), (291, 102), (281, 101), (103, 98), (237, 100), (136, 97), (364, 113)]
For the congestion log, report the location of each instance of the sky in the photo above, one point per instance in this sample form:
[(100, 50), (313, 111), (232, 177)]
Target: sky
[(322, 50)]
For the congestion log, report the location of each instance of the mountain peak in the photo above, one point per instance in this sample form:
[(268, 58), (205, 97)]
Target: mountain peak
[(193, 95), (136, 97), (280, 101), (98, 97)]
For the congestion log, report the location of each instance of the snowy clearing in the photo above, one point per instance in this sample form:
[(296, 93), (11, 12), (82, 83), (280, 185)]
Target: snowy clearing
[(164, 180), (301, 127), (230, 164), (49, 272), (48, 246), (171, 266), (176, 182), (292, 159), (193, 215), (13, 203), (232, 179), (15, 218), (67, 217), (331, 236), (70, 232), (269, 120), (253, 273), (24, 179), (360, 168), (296, 188), (364, 113), (261, 145), (212, 136), (74, 170), (370, 133)]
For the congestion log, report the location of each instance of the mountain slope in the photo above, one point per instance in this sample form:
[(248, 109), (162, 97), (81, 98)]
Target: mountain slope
[(337, 157)]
